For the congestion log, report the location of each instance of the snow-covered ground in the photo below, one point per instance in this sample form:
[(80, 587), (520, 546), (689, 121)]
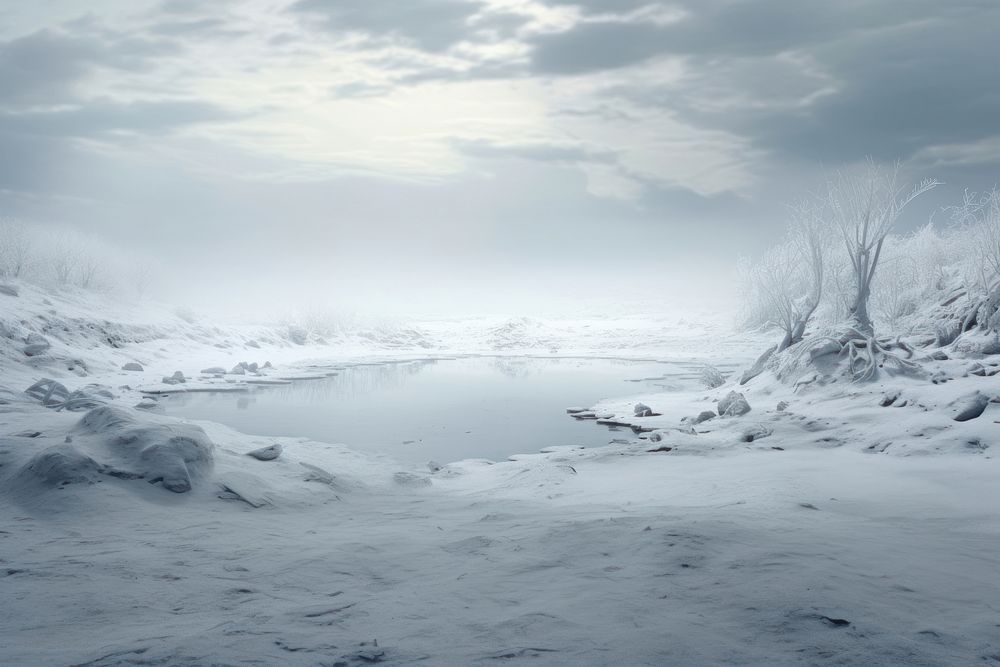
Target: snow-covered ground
[(835, 530)]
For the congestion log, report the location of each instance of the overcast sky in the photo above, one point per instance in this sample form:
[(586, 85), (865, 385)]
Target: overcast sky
[(429, 147)]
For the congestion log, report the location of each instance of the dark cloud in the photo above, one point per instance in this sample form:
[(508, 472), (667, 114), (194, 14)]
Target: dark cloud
[(39, 67), (98, 118), (830, 82), (46, 66), (431, 25)]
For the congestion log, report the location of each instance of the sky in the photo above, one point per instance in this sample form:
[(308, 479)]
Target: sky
[(443, 154)]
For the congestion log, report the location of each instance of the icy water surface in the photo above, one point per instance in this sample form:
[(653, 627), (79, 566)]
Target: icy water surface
[(443, 410)]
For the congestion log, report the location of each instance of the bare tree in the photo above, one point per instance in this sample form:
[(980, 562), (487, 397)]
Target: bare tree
[(978, 221), (864, 207), (142, 279), (786, 284)]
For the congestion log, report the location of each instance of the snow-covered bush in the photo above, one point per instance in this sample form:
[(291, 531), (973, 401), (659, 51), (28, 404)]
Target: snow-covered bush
[(15, 249), (65, 257)]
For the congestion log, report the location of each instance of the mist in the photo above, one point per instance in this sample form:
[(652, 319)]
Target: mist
[(500, 332)]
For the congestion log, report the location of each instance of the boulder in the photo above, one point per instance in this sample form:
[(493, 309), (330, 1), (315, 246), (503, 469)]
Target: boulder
[(59, 466), (782, 406), (132, 366), (167, 452), (971, 407), (733, 405), (238, 370), (36, 344), (755, 432), (642, 410), (49, 392), (176, 378), (267, 453), (214, 370), (704, 416)]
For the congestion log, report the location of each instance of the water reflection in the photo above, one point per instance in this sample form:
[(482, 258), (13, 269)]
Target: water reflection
[(444, 409)]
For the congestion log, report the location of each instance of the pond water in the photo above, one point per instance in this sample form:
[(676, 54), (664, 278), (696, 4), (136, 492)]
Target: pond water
[(445, 409)]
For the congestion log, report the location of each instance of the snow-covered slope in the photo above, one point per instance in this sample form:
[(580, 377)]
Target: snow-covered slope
[(769, 536)]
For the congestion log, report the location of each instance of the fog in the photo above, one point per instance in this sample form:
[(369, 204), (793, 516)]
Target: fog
[(467, 156), (499, 332)]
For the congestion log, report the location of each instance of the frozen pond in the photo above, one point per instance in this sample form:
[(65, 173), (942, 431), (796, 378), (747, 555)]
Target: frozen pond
[(443, 410)]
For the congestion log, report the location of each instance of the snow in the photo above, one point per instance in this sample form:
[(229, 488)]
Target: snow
[(849, 529)]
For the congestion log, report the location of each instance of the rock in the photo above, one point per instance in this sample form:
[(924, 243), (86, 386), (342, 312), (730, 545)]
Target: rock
[(59, 466), (782, 406), (971, 407), (35, 345), (253, 343), (169, 452), (711, 377), (733, 405), (132, 366), (642, 410), (8, 290), (704, 416), (655, 437), (246, 488), (147, 403), (49, 392), (888, 398), (662, 448), (214, 370), (176, 378), (755, 432), (434, 466), (238, 370), (267, 364), (267, 453), (253, 367)]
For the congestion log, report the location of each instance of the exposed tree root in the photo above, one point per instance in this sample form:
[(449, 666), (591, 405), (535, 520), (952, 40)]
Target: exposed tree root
[(867, 355)]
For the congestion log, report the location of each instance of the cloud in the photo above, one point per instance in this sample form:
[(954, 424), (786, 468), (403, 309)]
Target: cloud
[(537, 152), (431, 25), (47, 65), (153, 117), (825, 83)]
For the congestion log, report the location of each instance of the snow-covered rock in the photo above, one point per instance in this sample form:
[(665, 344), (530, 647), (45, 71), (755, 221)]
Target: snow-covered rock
[(176, 378), (971, 407), (755, 432), (734, 404), (170, 452), (642, 410), (266, 453), (704, 416), (35, 345), (132, 366)]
